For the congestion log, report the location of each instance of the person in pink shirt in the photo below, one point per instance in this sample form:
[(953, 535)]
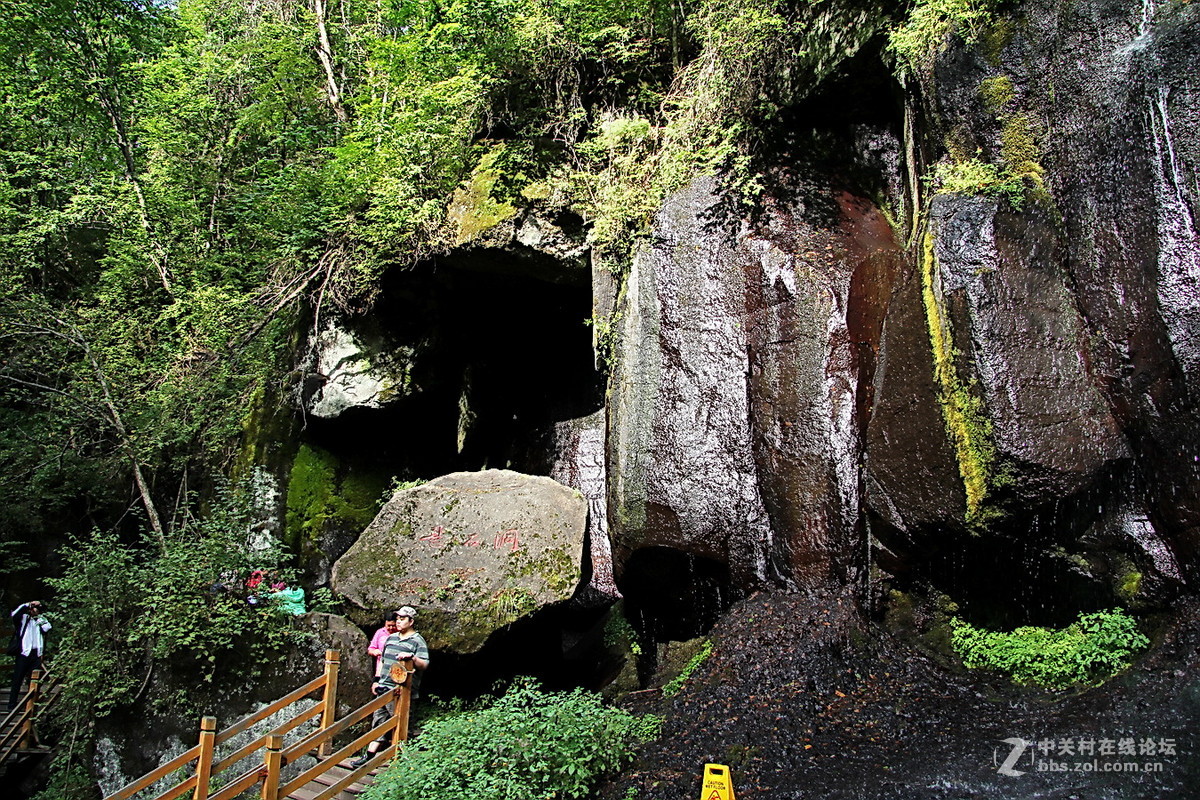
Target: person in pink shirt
[(375, 649)]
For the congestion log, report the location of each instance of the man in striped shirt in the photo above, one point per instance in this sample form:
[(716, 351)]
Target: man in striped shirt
[(403, 645)]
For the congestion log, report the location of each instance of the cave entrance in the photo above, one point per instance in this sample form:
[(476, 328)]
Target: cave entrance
[(674, 596), (500, 357)]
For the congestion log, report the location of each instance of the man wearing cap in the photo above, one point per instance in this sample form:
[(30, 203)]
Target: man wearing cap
[(402, 645)]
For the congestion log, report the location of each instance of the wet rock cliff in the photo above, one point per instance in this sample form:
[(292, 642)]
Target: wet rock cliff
[(873, 372)]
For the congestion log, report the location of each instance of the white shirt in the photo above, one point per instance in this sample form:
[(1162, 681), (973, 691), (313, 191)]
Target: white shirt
[(34, 637)]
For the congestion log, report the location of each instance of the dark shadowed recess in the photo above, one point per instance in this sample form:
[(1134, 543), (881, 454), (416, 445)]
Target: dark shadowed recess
[(1043, 565), (829, 132), (562, 647), (674, 596), (502, 356)]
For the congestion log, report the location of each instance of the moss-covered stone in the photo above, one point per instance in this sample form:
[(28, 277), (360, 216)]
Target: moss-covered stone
[(473, 551), (473, 210), (963, 410), (1129, 585), (997, 92), (324, 494)]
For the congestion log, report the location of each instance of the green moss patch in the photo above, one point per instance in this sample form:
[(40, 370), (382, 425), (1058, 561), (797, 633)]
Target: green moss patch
[(1093, 648), (967, 423), (323, 493)]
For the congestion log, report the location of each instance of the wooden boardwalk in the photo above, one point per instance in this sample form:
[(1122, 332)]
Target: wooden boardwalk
[(262, 761), (18, 731), (335, 775)]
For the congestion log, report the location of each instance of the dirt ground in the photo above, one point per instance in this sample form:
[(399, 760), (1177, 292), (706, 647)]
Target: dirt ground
[(803, 699)]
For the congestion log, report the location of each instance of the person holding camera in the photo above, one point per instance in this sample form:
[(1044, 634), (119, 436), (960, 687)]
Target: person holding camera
[(31, 644), (403, 645)]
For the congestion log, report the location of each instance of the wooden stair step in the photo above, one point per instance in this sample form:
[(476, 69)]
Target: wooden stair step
[(332, 776), (312, 790)]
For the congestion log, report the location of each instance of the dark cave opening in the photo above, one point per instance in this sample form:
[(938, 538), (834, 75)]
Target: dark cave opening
[(500, 357), (674, 596), (1004, 583), (561, 646), (1043, 566)]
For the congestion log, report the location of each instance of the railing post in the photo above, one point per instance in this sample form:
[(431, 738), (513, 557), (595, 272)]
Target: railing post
[(329, 701), (402, 704), (26, 738), (274, 764), (208, 739)]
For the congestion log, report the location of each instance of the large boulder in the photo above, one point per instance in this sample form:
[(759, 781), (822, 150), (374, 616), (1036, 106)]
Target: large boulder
[(474, 551)]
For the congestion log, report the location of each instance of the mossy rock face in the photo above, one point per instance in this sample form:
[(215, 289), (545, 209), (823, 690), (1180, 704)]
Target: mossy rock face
[(473, 551), (327, 505)]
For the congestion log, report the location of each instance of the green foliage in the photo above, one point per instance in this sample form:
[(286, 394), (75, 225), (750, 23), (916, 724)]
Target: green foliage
[(620, 635), (674, 686), (124, 609), (1092, 649), (916, 41), (526, 744), (973, 176)]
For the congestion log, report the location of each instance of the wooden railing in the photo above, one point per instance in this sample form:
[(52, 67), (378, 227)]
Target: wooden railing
[(18, 725), (201, 760)]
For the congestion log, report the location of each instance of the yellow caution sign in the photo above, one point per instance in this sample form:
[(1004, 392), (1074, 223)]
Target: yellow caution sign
[(717, 784)]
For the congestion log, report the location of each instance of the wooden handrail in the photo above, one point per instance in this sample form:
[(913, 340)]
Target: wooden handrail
[(192, 783), (396, 722), (155, 775), (277, 754), (329, 703), (273, 761), (204, 765), (186, 785), (239, 784), (306, 777), (19, 721), (259, 716), (261, 741), (313, 740)]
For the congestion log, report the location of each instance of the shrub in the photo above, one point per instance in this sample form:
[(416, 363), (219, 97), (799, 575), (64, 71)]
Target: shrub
[(1093, 648), (527, 744), (178, 604)]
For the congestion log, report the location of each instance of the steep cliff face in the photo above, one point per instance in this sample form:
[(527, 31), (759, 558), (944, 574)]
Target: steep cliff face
[(1020, 373), (1064, 328), (737, 407), (869, 369)]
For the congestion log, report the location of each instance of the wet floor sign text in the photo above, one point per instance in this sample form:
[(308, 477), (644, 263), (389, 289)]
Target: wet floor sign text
[(717, 784)]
